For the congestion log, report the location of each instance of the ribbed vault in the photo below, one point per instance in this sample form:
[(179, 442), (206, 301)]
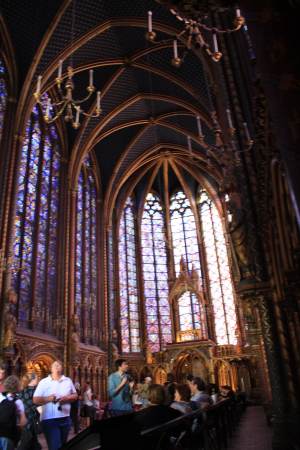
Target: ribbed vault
[(148, 105)]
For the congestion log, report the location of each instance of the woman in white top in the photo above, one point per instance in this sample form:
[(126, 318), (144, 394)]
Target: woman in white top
[(88, 406)]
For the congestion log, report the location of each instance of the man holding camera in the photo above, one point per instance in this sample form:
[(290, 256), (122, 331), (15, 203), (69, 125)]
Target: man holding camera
[(120, 386), (55, 394)]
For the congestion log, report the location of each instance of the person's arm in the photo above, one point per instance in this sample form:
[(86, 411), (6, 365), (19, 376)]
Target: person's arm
[(43, 400), (39, 398), (22, 420), (70, 398)]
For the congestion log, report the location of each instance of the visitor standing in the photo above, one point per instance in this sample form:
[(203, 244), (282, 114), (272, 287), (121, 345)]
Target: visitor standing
[(55, 393), (2, 376), (12, 414), (120, 387), (29, 436)]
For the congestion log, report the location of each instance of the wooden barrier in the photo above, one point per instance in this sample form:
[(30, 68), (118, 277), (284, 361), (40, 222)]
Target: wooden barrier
[(208, 429)]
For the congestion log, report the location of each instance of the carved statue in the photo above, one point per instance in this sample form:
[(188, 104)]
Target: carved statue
[(114, 347), (74, 338), (238, 232), (9, 319)]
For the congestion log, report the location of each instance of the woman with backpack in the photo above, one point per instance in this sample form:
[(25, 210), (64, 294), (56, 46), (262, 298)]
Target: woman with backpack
[(12, 414), (29, 436)]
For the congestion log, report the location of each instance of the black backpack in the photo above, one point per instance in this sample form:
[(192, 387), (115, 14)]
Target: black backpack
[(8, 419)]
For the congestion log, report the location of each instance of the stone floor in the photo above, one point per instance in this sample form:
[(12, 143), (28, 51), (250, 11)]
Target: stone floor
[(253, 432)]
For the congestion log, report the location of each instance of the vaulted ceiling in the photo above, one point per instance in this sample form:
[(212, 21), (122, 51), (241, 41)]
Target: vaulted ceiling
[(148, 106)]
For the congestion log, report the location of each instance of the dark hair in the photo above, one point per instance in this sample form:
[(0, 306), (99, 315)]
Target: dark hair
[(190, 377), (184, 392), (157, 394), (119, 362), (2, 365), (170, 378), (199, 382)]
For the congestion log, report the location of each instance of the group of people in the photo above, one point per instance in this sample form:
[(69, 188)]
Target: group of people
[(52, 404), (32, 406), (127, 396)]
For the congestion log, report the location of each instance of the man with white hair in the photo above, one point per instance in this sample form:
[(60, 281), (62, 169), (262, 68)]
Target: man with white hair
[(55, 394)]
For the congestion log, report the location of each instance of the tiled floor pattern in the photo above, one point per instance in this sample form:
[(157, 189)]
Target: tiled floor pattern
[(252, 432)]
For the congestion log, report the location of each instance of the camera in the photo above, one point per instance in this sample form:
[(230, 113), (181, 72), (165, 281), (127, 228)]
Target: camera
[(129, 377)]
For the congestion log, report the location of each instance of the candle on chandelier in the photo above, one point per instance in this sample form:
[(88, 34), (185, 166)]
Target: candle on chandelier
[(60, 68), (38, 85), (238, 12), (98, 100), (199, 126), (150, 22), (189, 142), (215, 41), (77, 115), (228, 112), (91, 77), (48, 107), (248, 139), (175, 49)]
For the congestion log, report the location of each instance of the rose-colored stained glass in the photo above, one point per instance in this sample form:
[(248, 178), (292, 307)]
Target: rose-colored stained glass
[(220, 283), (129, 301), (155, 274)]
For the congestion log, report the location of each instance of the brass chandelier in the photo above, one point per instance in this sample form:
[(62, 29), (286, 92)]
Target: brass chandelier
[(194, 30), (66, 103)]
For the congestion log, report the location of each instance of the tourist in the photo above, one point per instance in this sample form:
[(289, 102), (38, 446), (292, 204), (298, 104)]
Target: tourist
[(169, 387), (199, 395), (55, 393), (12, 414), (75, 409), (143, 391), (88, 410), (29, 437), (2, 376), (182, 399), (120, 388)]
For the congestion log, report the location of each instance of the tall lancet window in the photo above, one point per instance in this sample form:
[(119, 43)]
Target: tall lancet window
[(3, 96), (184, 235), (155, 274), (220, 283), (129, 302), (86, 254), (37, 226)]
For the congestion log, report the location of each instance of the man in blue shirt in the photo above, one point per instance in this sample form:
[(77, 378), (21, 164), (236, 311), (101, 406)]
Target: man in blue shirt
[(120, 389)]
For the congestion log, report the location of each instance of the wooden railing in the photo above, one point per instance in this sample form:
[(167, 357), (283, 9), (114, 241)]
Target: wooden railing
[(200, 430)]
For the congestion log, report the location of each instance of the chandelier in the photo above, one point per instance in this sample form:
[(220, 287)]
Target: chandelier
[(195, 28), (66, 104), (219, 147)]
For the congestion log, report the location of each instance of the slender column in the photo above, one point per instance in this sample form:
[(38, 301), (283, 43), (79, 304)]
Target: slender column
[(284, 426)]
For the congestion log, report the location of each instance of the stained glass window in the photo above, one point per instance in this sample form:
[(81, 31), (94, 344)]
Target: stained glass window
[(220, 283), (129, 302), (155, 274), (36, 225), (3, 96), (184, 235), (86, 254)]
